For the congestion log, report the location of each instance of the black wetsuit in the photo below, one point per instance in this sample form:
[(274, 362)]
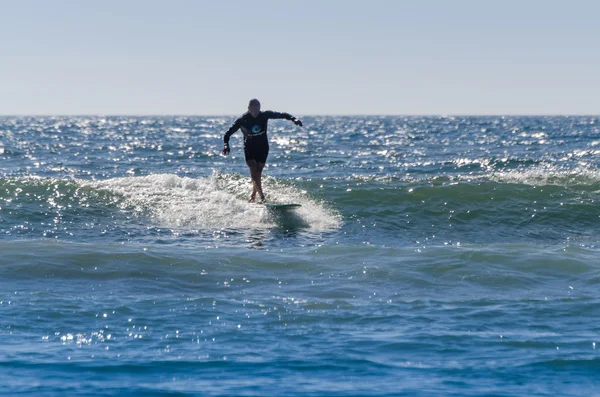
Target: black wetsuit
[(256, 144)]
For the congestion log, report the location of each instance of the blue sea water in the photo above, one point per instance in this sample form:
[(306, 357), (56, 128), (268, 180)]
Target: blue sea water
[(432, 256)]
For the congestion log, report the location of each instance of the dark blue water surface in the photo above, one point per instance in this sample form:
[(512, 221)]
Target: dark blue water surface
[(431, 256)]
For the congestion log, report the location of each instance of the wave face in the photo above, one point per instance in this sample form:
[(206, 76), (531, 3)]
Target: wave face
[(391, 180), (430, 256)]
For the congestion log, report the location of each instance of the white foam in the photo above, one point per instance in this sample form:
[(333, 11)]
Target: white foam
[(215, 202), (541, 176)]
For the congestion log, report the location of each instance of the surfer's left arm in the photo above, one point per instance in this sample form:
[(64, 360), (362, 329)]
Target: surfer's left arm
[(277, 115)]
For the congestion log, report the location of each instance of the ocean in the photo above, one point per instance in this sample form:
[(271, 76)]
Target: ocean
[(431, 256)]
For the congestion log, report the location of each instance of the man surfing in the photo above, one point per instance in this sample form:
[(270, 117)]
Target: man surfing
[(256, 145)]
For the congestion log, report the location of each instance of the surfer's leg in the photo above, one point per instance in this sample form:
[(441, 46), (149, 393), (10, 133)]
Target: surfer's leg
[(261, 159), (253, 194), (251, 163), (256, 158), (255, 177), (259, 169)]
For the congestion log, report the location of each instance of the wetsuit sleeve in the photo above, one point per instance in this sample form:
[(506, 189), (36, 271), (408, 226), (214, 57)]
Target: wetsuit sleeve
[(234, 127), (276, 115)]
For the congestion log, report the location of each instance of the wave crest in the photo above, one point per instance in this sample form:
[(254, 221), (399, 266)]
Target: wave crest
[(215, 202)]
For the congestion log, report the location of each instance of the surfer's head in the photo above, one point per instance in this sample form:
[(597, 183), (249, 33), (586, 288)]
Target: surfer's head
[(254, 107)]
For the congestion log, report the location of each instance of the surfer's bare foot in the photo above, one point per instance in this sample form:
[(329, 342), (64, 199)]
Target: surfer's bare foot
[(262, 200), (251, 199)]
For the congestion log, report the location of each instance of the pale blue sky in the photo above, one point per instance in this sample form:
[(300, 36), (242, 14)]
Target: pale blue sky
[(304, 57)]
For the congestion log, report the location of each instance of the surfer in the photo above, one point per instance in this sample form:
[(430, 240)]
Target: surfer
[(256, 145)]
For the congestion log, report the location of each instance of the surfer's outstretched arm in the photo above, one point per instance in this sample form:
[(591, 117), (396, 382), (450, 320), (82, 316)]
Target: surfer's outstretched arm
[(277, 115), (234, 127)]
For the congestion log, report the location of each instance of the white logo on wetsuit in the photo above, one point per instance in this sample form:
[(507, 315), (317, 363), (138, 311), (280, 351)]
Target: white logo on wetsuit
[(256, 130)]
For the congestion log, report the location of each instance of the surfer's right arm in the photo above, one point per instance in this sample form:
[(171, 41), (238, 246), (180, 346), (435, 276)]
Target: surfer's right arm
[(234, 127)]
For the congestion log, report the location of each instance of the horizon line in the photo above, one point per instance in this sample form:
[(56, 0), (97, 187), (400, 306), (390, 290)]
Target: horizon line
[(308, 115)]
